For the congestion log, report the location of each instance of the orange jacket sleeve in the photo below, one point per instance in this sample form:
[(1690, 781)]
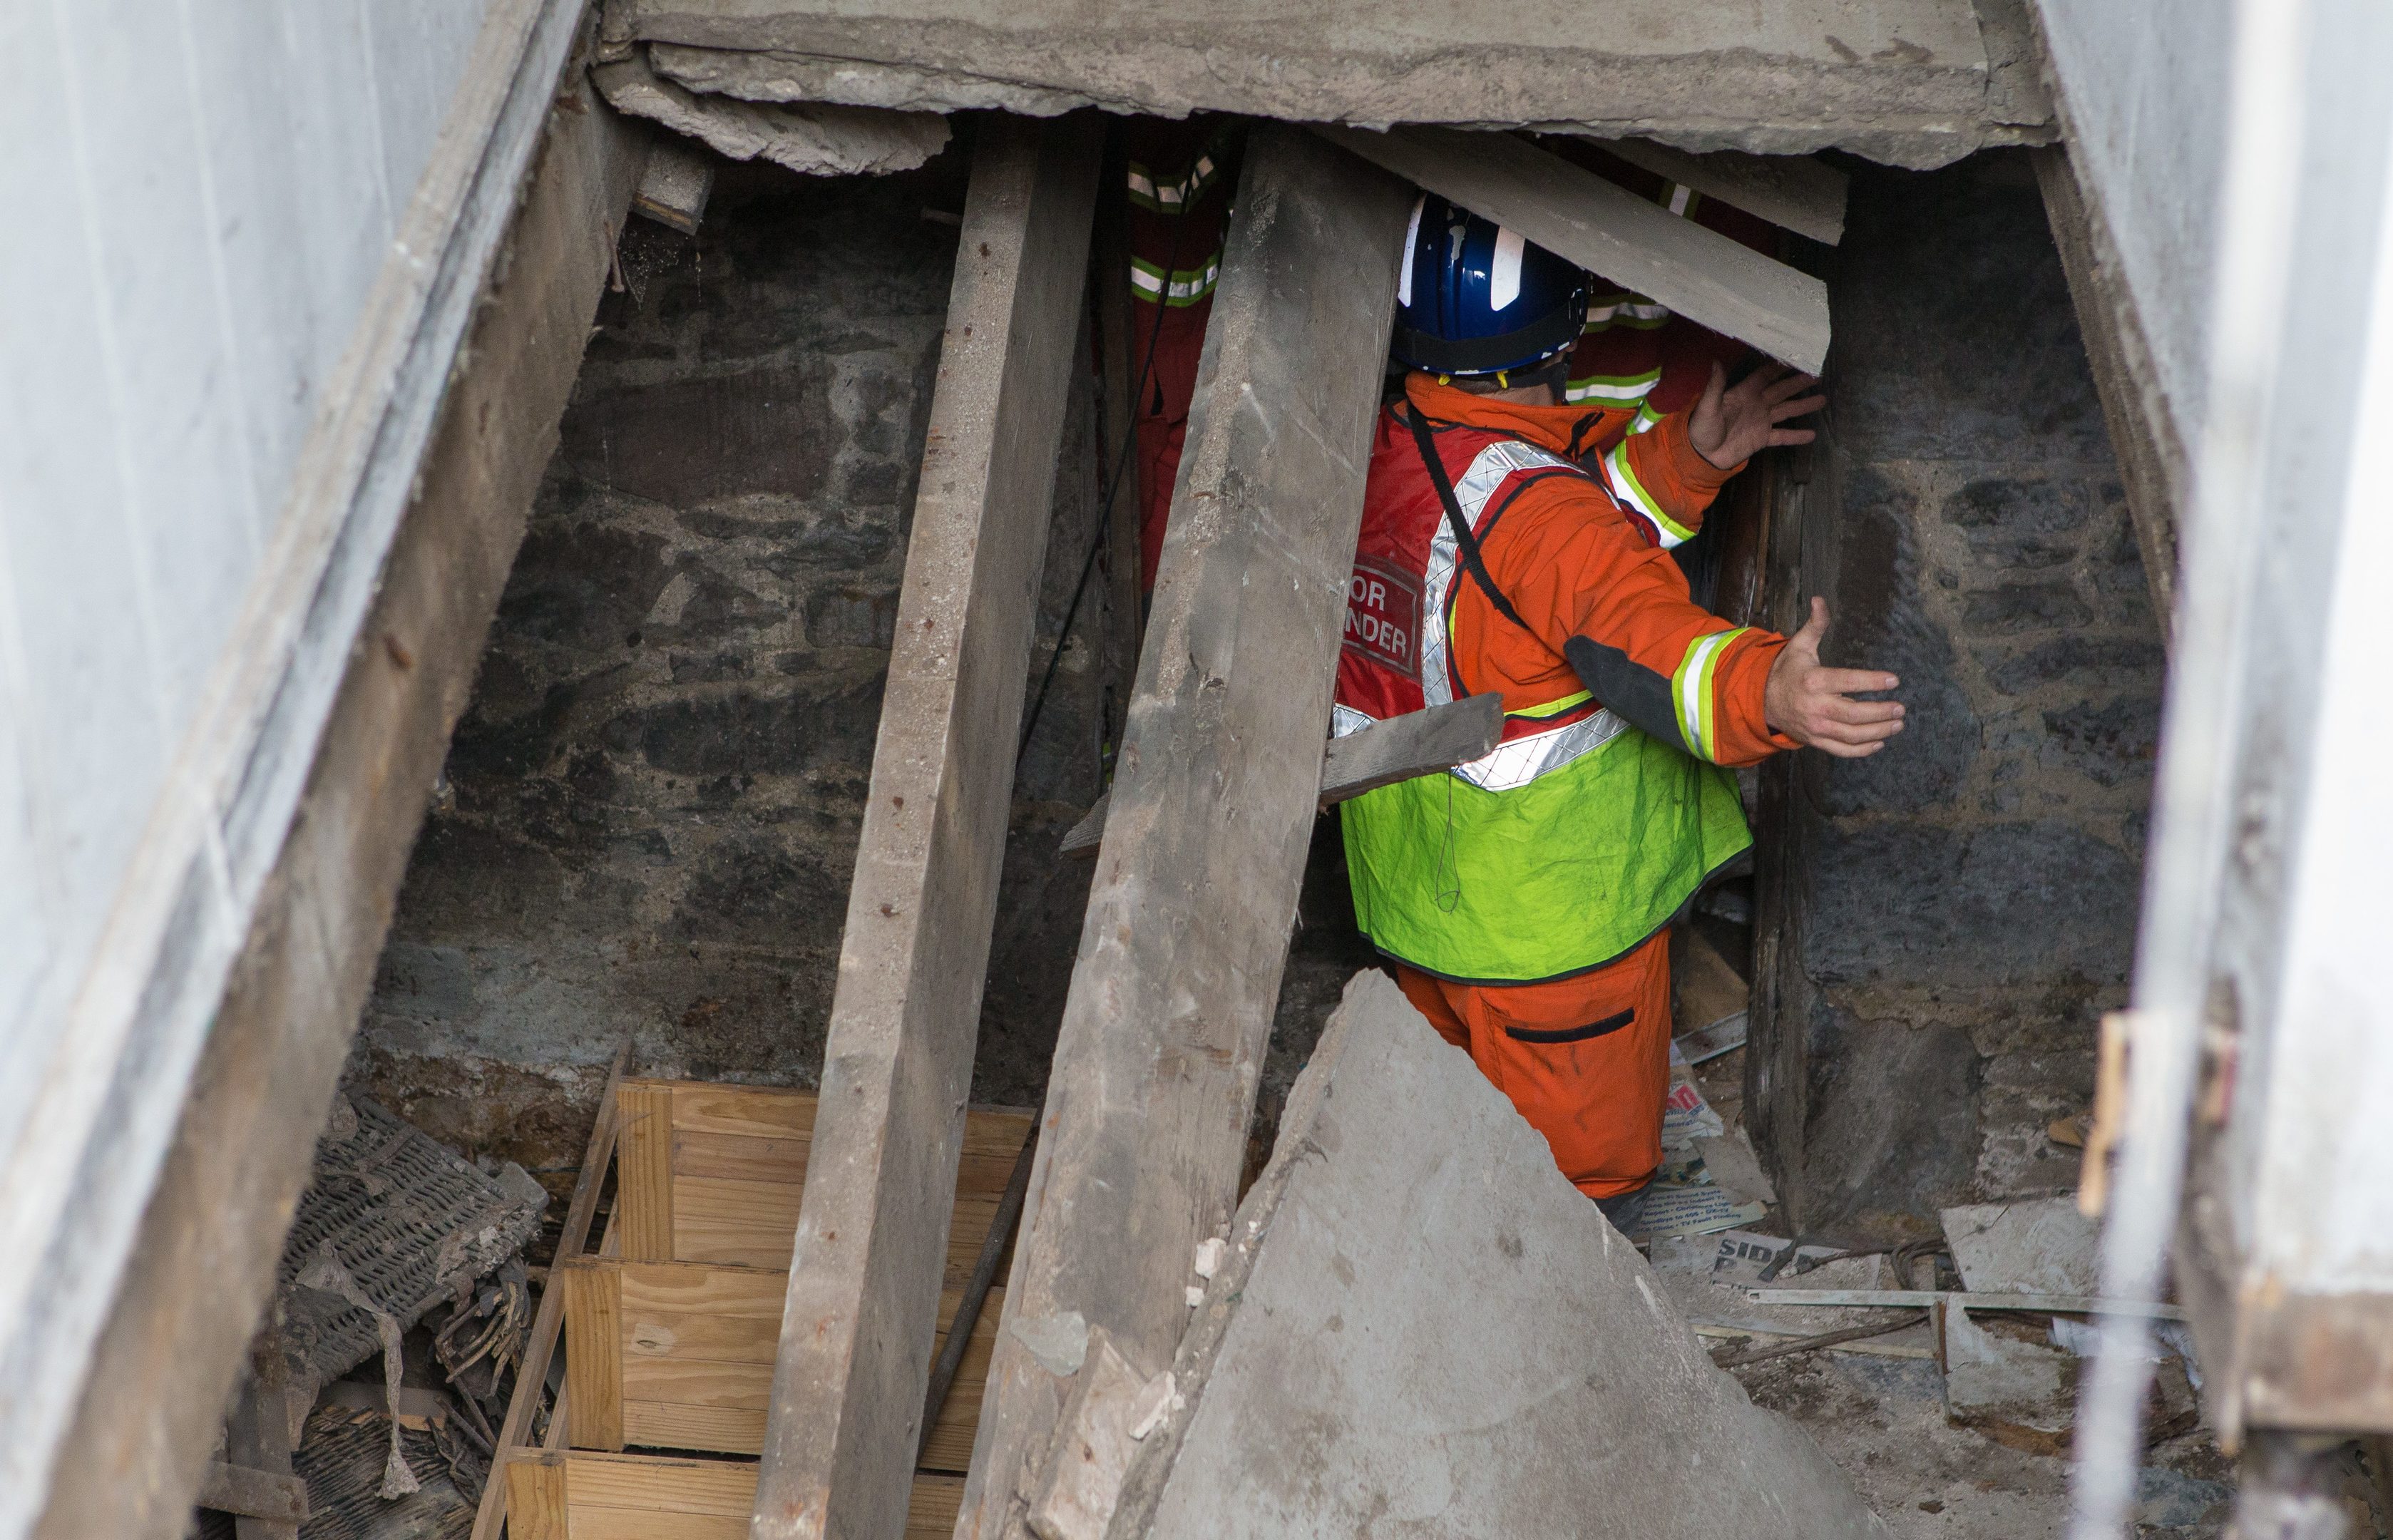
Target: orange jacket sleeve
[(1661, 480), (1617, 608)]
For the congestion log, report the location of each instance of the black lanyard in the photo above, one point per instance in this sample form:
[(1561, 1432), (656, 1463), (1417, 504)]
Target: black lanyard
[(1464, 540)]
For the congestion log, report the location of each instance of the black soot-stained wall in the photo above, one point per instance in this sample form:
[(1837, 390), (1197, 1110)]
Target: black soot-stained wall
[(651, 810), (1951, 916)]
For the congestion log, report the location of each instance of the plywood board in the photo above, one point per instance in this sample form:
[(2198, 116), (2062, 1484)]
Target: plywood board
[(679, 1355), (578, 1494)]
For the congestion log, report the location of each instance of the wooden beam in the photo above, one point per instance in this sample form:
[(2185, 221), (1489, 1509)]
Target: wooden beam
[(1420, 743), (1698, 272), (1794, 192), (256, 1498), (1170, 1005), (2143, 434), (539, 1347), (155, 1387), (254, 1482), (881, 1176)]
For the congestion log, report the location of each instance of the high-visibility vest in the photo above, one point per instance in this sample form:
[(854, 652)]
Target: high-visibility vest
[(1572, 841)]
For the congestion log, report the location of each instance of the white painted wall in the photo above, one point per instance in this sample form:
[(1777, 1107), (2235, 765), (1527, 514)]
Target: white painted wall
[(201, 194), (2143, 87)]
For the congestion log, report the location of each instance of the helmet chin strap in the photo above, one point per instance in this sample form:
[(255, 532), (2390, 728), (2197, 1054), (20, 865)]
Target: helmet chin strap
[(1550, 372)]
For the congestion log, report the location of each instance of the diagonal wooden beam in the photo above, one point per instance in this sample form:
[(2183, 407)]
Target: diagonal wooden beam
[(1794, 192), (202, 1267), (881, 1175), (1170, 1005), (1575, 214), (1420, 743)]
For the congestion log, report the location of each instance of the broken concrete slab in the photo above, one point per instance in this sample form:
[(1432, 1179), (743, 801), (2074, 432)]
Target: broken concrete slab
[(817, 139), (2035, 1245), (1907, 82), (1422, 1328)]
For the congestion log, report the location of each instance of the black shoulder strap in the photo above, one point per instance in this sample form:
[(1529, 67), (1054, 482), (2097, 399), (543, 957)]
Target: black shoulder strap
[(1465, 541)]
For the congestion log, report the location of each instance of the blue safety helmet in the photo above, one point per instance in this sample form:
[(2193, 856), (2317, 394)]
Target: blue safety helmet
[(1475, 298)]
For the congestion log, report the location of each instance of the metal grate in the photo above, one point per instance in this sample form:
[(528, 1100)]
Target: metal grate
[(407, 1221), (341, 1459)]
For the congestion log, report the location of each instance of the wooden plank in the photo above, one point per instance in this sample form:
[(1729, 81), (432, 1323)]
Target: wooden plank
[(746, 1223), (154, 1385), (1697, 272), (931, 1506), (584, 1496), (593, 1352), (254, 1496), (759, 1111), (897, 1059), (2143, 434), (534, 1504), (257, 1444), (738, 1157), (680, 1424), (1170, 1005), (697, 1370), (1794, 192), (643, 1170), (723, 1488), (1122, 363), (548, 1322), (726, 1314), (1420, 743)]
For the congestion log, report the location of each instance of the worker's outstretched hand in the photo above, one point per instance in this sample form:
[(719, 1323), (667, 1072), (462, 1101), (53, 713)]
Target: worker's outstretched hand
[(1812, 704), (1728, 427)]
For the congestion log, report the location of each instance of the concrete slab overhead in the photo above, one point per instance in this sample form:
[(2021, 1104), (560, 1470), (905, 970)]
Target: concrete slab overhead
[(1903, 81), (1422, 1328)]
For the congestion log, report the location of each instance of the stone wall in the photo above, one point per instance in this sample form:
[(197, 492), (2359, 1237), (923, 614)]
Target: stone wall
[(651, 807), (1952, 914)]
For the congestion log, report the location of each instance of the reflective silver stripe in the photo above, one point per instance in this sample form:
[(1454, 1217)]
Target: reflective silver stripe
[(1524, 759), (1472, 489), (1512, 764)]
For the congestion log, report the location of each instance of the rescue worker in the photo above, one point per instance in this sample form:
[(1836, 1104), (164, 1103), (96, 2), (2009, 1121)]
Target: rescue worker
[(1526, 897)]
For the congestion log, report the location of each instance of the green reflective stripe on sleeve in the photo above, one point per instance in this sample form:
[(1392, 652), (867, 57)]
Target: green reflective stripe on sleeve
[(1621, 477), (1647, 418), (1691, 692), (1624, 390), (1553, 707), (1186, 286)]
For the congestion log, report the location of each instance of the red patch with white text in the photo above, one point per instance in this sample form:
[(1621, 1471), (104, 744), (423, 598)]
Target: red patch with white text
[(1383, 614)]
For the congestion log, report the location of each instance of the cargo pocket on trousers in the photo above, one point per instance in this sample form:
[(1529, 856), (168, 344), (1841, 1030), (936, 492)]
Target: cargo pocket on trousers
[(1585, 1086), (1603, 1027)]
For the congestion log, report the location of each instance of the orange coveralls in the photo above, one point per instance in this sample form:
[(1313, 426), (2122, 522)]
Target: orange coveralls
[(1573, 563)]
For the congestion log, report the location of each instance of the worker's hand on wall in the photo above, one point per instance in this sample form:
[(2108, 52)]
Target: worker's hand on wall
[(1814, 704), (1728, 427)]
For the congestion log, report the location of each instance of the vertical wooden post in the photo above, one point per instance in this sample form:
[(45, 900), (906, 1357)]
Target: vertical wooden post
[(1121, 351), (1170, 1005), (872, 1228), (258, 1435)]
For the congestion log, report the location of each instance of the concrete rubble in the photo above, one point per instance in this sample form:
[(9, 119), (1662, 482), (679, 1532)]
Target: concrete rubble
[(816, 138), (1917, 82), (1422, 1328)]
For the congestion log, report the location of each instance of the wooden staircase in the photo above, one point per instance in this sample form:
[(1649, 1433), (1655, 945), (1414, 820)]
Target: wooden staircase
[(672, 1328)]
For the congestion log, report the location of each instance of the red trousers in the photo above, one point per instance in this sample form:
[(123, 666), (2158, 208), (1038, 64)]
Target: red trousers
[(1587, 1060)]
